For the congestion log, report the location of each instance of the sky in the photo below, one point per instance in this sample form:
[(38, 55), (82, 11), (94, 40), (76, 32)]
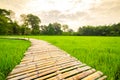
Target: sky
[(75, 13)]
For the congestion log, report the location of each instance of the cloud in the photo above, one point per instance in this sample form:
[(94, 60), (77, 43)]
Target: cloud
[(72, 12), (58, 16), (13, 4), (105, 13)]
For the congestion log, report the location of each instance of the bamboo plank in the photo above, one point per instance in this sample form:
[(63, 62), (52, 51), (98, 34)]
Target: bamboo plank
[(102, 78), (43, 61), (93, 76)]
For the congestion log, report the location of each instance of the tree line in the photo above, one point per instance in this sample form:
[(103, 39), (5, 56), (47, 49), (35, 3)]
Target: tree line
[(30, 25), (106, 30)]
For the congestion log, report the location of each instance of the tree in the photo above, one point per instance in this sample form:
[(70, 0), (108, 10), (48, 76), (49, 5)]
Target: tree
[(4, 12), (24, 20), (30, 21), (105, 30), (51, 29), (70, 31), (65, 27), (15, 28), (12, 15), (44, 29), (34, 22), (25, 30), (5, 21), (57, 28)]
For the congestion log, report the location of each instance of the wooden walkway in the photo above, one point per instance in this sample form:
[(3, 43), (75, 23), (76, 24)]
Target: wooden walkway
[(43, 61)]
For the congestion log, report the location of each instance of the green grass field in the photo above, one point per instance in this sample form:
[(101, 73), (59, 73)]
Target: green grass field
[(102, 53), (11, 52)]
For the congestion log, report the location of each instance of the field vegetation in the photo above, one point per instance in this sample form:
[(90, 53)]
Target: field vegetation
[(101, 53), (11, 53)]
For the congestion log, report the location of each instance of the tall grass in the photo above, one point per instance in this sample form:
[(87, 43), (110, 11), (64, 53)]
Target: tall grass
[(11, 53), (102, 53)]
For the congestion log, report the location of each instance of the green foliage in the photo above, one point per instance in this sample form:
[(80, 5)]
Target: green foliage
[(51, 29), (25, 30), (117, 73), (31, 25), (34, 22), (111, 30), (65, 27), (11, 53), (102, 53), (5, 21), (7, 26)]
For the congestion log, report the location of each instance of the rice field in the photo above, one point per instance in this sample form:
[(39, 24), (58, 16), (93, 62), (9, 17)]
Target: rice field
[(102, 53), (11, 53)]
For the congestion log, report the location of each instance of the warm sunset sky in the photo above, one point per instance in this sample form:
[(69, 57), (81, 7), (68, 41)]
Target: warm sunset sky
[(72, 12)]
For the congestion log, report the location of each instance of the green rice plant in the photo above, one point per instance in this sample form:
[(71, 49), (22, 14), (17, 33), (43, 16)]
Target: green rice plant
[(101, 53), (11, 53)]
